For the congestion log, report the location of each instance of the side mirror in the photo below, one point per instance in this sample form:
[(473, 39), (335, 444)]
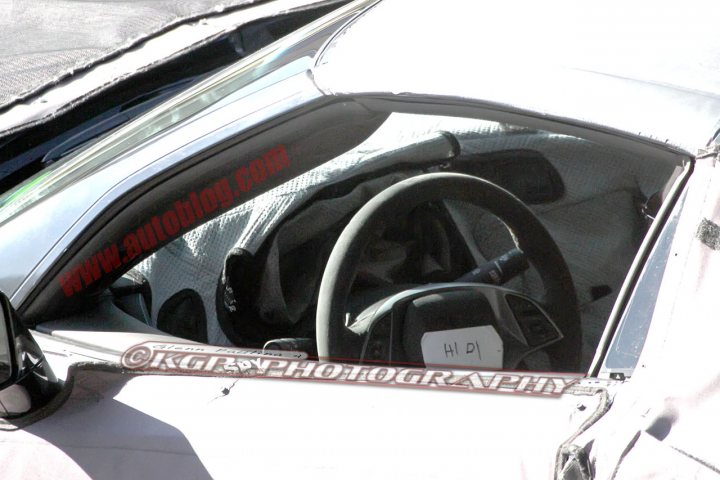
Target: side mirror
[(26, 381)]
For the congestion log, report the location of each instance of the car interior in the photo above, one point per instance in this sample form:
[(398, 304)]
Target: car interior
[(432, 229)]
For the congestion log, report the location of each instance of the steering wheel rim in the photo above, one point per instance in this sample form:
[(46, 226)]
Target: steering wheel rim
[(529, 234)]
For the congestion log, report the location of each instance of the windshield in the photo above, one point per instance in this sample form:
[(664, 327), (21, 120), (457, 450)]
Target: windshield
[(301, 44)]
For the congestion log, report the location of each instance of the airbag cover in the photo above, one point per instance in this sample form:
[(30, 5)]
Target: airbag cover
[(439, 312)]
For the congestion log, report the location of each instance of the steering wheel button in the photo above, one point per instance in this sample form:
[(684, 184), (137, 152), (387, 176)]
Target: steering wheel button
[(536, 327)]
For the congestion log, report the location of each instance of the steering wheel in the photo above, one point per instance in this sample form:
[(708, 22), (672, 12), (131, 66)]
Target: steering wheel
[(420, 323)]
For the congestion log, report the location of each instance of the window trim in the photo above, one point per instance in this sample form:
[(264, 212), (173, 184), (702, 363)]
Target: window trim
[(630, 285)]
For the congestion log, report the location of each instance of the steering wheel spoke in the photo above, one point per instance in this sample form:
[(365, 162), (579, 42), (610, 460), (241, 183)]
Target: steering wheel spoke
[(520, 322)]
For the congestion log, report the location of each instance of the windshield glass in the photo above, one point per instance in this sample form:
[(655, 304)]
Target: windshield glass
[(301, 44)]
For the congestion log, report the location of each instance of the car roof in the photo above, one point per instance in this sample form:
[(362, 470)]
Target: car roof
[(645, 68)]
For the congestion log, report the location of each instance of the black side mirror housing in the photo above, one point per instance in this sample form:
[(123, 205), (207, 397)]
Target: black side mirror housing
[(26, 380)]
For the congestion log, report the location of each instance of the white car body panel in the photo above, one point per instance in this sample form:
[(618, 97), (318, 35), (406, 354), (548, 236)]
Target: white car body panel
[(127, 427)]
